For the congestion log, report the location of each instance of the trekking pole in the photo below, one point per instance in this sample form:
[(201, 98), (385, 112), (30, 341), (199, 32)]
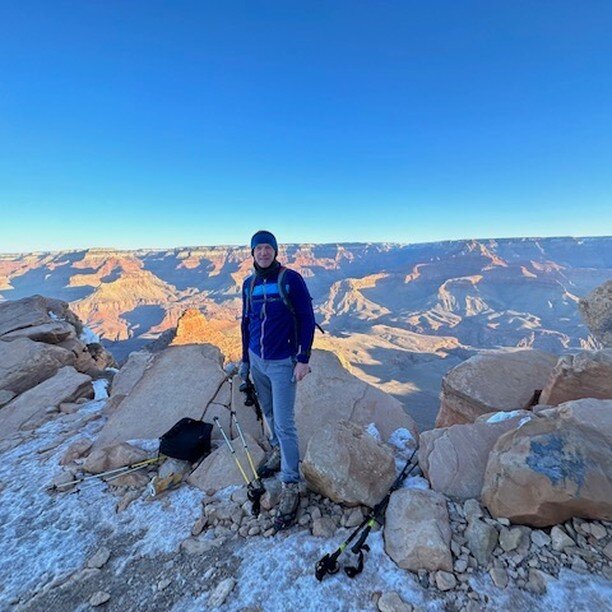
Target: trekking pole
[(253, 492), (117, 471), (328, 564)]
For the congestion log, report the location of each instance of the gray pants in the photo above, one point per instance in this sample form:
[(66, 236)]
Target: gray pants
[(273, 379)]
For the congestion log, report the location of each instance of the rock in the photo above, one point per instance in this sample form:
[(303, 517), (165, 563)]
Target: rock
[(492, 381), (219, 470), (499, 576), (35, 311), (25, 363), (6, 396), (222, 590), (539, 538), (596, 310), (586, 374), (560, 540), (510, 539), (347, 465), (66, 385), (99, 598), (99, 559), (49, 333), (555, 466), (472, 510), (130, 373), (323, 527), (331, 394), (76, 450), (598, 531), (607, 551), (579, 565), (538, 581), (354, 518), (481, 540), (178, 382), (445, 581), (454, 458), (417, 531), (163, 584), (392, 602), (113, 457), (193, 546)]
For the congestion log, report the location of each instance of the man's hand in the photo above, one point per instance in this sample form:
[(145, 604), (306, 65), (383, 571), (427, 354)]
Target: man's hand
[(244, 370), (300, 371)]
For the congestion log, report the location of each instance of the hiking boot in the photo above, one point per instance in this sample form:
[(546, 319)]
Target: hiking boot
[(270, 464), (287, 506)]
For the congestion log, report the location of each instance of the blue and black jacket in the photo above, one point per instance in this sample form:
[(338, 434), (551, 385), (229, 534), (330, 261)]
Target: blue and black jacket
[(269, 328)]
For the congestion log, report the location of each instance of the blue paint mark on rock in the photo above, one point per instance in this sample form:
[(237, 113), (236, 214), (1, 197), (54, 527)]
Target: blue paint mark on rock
[(549, 457)]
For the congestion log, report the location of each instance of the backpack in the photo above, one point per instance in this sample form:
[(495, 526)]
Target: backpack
[(284, 297), (187, 440)]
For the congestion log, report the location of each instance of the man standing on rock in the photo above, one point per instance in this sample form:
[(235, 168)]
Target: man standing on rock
[(277, 333)]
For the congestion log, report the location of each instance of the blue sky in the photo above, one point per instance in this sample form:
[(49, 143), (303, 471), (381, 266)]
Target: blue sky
[(149, 123)]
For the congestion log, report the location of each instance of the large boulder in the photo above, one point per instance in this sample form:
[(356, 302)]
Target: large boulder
[(586, 374), (492, 381), (35, 311), (596, 309), (66, 385), (177, 382), (25, 363), (219, 469), (454, 458), (347, 465), (556, 466), (331, 394), (417, 530)]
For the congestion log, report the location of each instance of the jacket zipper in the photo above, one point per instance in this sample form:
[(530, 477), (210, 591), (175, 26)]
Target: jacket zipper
[(263, 323)]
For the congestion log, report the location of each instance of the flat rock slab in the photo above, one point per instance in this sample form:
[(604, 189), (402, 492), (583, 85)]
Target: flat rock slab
[(492, 381), (178, 382), (67, 385)]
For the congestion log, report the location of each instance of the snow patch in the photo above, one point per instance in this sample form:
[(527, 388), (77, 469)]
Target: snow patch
[(523, 421), (372, 430), (499, 417), (100, 388), (88, 336)]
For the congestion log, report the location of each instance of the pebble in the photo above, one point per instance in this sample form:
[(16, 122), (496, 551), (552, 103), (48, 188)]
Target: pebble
[(392, 602), (99, 598), (222, 590), (99, 559), (445, 581), (598, 531), (164, 584), (539, 538), (579, 566), (560, 539), (499, 577)]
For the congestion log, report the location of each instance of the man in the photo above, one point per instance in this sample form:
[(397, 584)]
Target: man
[(277, 333)]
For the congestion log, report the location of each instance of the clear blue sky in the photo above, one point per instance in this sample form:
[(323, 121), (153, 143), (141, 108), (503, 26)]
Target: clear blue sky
[(168, 123)]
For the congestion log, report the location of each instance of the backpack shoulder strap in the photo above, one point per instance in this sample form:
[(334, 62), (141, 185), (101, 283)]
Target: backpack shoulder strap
[(282, 290), (251, 281)]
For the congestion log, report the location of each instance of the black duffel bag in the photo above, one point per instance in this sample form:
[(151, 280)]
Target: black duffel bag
[(188, 440)]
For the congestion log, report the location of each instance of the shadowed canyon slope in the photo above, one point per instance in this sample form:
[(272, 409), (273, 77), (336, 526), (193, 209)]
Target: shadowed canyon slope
[(398, 316)]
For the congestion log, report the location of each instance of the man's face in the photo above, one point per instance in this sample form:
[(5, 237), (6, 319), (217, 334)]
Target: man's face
[(264, 255)]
